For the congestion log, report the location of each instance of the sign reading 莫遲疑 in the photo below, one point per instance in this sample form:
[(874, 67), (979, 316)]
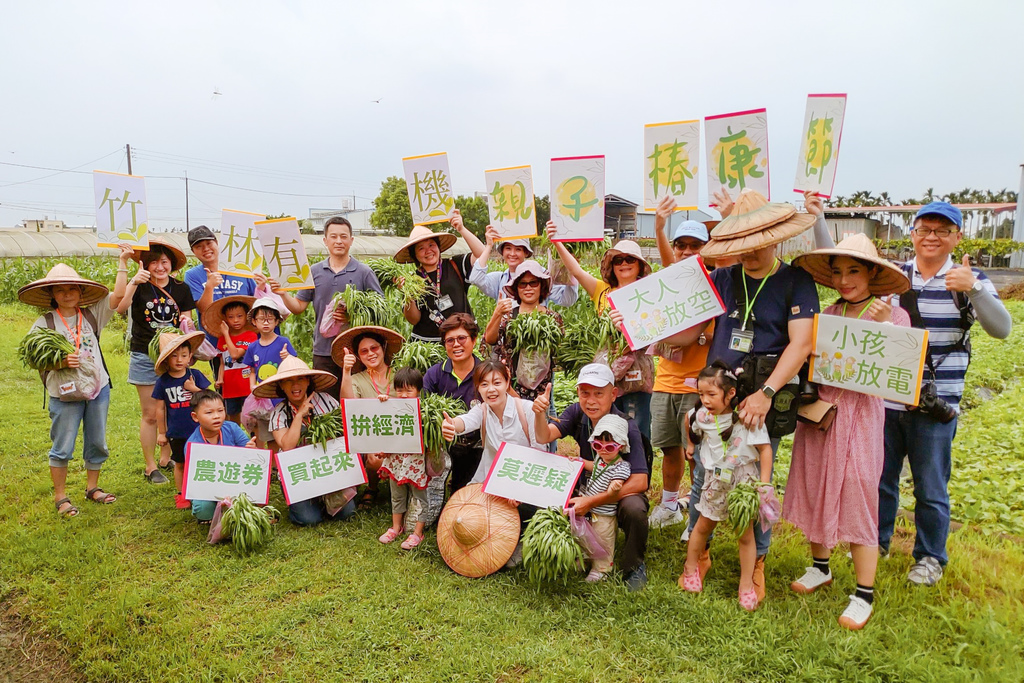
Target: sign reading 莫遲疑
[(430, 188), (577, 198), (819, 144), (666, 302), (737, 146), (391, 426), (215, 472), (312, 471), (530, 476), (869, 357), (284, 253), (121, 215), (240, 251)]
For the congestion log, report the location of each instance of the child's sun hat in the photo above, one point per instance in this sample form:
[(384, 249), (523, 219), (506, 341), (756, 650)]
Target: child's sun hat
[(170, 342)]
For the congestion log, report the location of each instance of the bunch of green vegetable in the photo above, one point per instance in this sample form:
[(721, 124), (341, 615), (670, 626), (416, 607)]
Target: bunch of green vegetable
[(611, 337), (585, 337), (249, 527), (365, 307), (432, 410), (154, 343), (744, 504), (419, 355), (44, 349), (399, 276), (535, 333), (323, 428), (550, 551)]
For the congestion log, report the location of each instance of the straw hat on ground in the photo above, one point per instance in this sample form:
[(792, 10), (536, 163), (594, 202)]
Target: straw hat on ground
[(477, 533), (178, 258), (213, 316), (889, 279), (170, 342), (421, 233), (292, 368), (346, 340), (755, 223), (626, 248), (39, 293)]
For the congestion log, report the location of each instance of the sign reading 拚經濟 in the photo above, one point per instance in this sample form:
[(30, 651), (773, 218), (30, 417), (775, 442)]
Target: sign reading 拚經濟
[(240, 251), (121, 214), (869, 357), (819, 144), (531, 476), (391, 426), (213, 472), (284, 253), (312, 471)]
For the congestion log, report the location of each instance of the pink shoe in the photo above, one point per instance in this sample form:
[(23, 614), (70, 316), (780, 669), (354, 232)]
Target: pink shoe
[(389, 535), (411, 542), (691, 583), (748, 600)]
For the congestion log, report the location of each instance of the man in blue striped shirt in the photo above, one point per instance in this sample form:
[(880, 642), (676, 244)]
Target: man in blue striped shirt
[(946, 298)]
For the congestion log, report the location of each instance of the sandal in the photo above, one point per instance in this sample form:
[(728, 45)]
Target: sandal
[(748, 600), (103, 499), (367, 500), (691, 583), (69, 511), (389, 535), (411, 542)]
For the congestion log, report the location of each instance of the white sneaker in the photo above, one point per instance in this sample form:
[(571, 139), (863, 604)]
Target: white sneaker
[(663, 516), (812, 580), (926, 572), (856, 614), (685, 538), (594, 576)]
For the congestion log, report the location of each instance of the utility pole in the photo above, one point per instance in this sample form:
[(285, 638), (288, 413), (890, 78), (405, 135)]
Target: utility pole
[(186, 202), (128, 151)]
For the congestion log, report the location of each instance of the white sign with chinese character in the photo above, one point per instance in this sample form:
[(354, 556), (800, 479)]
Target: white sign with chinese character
[(666, 302), (240, 251), (215, 472), (312, 471), (671, 156), (737, 147), (430, 188), (510, 202), (284, 253), (577, 198), (121, 215), (531, 476), (819, 144), (869, 357), (391, 426)]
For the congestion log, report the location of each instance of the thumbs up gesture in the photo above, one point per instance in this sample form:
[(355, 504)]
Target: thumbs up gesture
[(541, 403), (961, 278), (880, 309), (448, 428)]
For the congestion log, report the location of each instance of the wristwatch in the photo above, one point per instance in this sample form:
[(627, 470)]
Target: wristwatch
[(767, 391), (977, 287)]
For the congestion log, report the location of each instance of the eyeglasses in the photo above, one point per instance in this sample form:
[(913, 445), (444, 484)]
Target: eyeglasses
[(461, 339), (602, 447), (528, 283), (630, 260), (264, 318), (941, 232)]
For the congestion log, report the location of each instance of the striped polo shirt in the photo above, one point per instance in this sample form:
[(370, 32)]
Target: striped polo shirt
[(941, 317), (601, 477)]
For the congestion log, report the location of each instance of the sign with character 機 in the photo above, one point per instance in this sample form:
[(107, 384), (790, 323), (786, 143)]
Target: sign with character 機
[(312, 471), (213, 472), (531, 476), (121, 213), (429, 183), (391, 426)]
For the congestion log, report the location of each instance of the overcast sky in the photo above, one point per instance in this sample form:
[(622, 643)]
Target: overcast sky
[(936, 93)]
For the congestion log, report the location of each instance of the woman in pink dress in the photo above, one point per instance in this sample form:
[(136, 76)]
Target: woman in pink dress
[(832, 491)]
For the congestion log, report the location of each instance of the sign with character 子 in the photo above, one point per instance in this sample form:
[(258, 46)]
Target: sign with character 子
[(429, 183), (284, 253), (240, 250), (819, 145), (869, 357), (215, 472), (391, 426), (531, 476), (312, 471), (664, 303), (577, 198), (121, 214)]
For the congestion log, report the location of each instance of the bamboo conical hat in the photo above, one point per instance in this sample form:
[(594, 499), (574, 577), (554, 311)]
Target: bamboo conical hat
[(477, 533), (755, 223), (39, 293), (888, 280)]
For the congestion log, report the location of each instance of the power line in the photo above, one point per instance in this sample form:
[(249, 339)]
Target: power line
[(58, 170)]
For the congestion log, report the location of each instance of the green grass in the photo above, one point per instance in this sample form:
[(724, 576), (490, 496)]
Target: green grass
[(133, 593)]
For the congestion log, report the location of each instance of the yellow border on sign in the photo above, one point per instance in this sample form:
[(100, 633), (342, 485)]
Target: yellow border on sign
[(814, 348), (435, 221), (124, 175), (139, 247), (276, 220), (424, 156), (247, 213), (510, 168), (920, 369), (670, 123)]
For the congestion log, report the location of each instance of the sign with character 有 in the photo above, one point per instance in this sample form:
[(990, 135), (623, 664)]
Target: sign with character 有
[(284, 253)]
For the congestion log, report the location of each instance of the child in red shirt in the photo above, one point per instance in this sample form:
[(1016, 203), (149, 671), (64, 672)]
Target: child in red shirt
[(235, 336)]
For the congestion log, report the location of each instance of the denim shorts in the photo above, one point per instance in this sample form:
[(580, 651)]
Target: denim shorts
[(141, 371), (233, 406)]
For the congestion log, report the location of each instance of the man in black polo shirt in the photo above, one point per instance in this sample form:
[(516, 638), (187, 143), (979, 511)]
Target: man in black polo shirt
[(596, 390)]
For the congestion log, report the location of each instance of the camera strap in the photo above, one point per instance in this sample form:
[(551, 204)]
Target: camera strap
[(909, 303)]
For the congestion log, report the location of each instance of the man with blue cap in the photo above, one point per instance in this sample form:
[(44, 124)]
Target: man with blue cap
[(513, 252), (945, 298)]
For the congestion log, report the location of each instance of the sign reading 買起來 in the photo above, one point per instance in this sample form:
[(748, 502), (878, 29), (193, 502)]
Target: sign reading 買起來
[(121, 214), (391, 426), (531, 476), (666, 302), (869, 357), (312, 471), (213, 472)]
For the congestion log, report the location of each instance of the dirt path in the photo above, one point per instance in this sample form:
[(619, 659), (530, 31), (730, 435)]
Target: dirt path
[(27, 656)]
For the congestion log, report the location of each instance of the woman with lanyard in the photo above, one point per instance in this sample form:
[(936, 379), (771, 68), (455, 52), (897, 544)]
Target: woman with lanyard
[(78, 309), (447, 279), (364, 355), (832, 491), (156, 300)]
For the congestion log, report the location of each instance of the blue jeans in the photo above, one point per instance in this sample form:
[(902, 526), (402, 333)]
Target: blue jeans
[(763, 539), (65, 419), (928, 445), (637, 406), (312, 512)]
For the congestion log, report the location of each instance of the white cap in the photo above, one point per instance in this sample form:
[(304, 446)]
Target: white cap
[(265, 302), (524, 243), (596, 375), (617, 427)]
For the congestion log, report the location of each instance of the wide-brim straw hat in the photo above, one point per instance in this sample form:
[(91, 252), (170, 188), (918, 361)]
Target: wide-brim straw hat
[(889, 279), (627, 248), (178, 260), (346, 340), (527, 266), (477, 533), (213, 316), (422, 233), (39, 292), (293, 368), (170, 342), (755, 223)]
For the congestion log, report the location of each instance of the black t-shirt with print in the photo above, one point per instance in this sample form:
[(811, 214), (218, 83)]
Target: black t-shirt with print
[(153, 309), (455, 283)]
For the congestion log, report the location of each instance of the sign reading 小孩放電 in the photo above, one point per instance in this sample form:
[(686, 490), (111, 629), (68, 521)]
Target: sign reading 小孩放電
[(531, 476)]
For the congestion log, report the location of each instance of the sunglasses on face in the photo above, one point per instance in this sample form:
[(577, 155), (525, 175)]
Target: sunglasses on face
[(692, 245), (461, 339), (628, 260), (603, 447), (528, 283)]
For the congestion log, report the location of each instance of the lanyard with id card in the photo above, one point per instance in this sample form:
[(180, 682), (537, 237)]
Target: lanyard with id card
[(742, 340)]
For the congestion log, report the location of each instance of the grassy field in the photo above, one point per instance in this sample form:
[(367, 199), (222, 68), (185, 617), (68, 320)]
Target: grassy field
[(131, 592)]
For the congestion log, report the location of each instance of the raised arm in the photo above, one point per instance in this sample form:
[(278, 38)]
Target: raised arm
[(586, 280), (124, 290), (474, 243), (494, 324), (661, 221)]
